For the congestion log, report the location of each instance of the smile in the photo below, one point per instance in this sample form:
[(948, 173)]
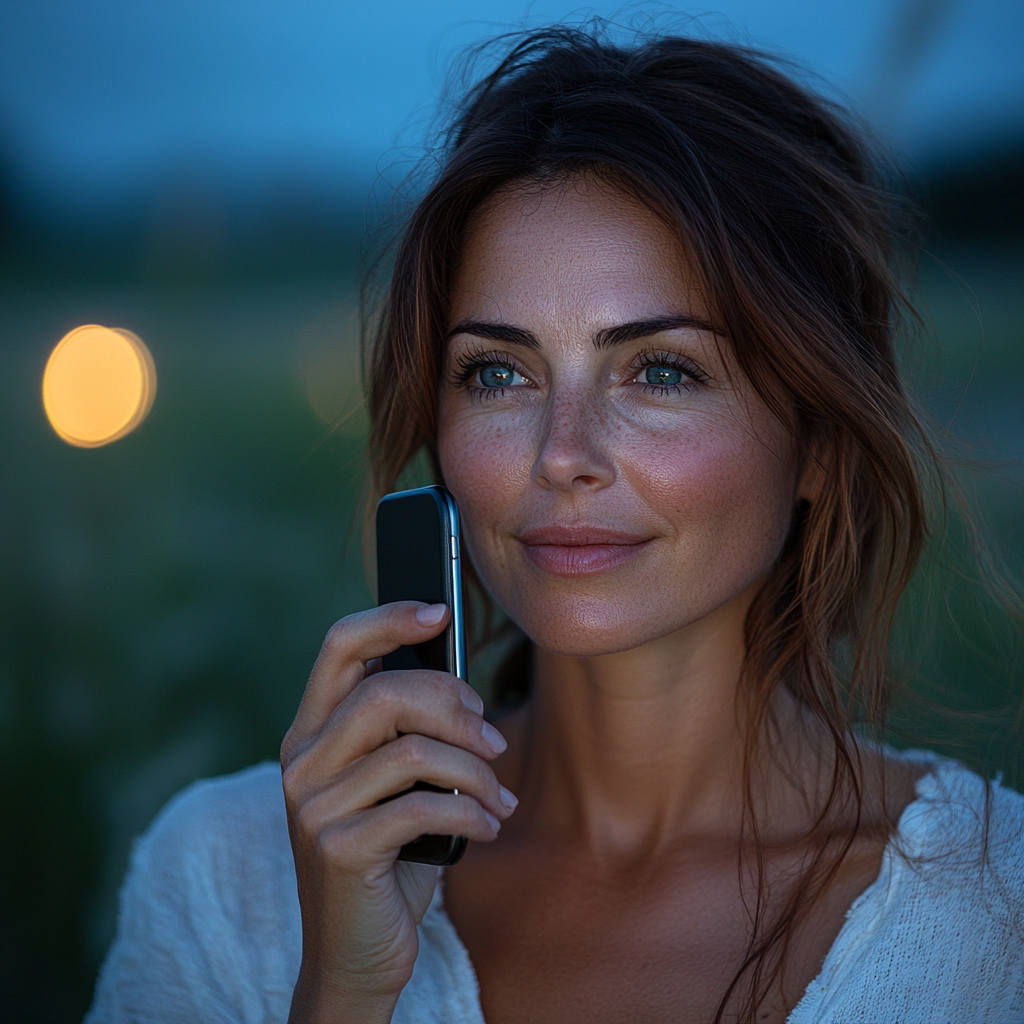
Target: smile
[(580, 550)]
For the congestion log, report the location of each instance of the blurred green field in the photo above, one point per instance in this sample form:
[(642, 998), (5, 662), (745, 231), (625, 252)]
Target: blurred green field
[(163, 598)]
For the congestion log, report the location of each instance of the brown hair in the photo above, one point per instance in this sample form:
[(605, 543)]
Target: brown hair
[(793, 233)]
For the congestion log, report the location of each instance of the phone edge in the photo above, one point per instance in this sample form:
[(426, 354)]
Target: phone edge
[(455, 578), (456, 843)]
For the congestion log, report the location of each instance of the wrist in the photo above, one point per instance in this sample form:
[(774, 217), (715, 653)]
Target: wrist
[(317, 1003)]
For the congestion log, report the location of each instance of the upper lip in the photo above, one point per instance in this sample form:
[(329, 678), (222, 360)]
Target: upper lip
[(579, 536)]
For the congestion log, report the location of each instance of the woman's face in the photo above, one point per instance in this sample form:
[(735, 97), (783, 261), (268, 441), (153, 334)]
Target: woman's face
[(618, 479)]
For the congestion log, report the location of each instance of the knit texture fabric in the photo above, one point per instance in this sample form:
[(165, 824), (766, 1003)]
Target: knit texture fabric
[(209, 927)]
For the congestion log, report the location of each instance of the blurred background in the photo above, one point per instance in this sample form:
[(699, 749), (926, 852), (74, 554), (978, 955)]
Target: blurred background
[(212, 175)]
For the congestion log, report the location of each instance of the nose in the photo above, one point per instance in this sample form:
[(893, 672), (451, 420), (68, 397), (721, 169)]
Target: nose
[(573, 451)]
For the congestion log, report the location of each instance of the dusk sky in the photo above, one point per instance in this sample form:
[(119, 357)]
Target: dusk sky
[(100, 99)]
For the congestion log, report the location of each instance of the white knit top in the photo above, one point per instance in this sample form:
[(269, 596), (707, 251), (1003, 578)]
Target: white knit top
[(209, 927)]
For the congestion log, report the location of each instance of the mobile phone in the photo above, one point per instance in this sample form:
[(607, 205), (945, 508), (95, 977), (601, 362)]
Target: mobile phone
[(418, 559)]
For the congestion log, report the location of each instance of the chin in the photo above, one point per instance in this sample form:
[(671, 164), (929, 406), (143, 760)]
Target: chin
[(588, 629)]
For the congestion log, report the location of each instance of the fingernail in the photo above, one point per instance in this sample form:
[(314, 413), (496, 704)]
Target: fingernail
[(472, 700), (431, 615), (493, 738), (493, 821), (509, 800)]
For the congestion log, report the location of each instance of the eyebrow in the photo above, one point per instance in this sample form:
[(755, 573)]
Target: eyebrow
[(611, 336), (495, 332), (606, 338)]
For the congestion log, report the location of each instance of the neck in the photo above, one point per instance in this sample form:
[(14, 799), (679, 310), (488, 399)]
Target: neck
[(627, 752)]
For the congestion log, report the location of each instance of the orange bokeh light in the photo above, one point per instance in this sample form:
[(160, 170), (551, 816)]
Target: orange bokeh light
[(98, 385)]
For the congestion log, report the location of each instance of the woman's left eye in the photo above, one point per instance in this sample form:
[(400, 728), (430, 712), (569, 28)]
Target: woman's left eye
[(497, 375), (662, 376)]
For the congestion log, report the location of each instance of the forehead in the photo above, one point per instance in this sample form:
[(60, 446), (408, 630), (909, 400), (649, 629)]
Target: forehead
[(581, 246)]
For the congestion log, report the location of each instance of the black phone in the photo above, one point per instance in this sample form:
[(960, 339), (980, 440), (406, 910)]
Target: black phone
[(418, 559)]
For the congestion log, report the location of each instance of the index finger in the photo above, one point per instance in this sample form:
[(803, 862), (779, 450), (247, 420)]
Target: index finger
[(354, 641)]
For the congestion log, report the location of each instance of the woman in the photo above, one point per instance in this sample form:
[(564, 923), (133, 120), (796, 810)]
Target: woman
[(643, 326)]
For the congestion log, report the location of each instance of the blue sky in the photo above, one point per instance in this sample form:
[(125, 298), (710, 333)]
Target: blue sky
[(99, 99)]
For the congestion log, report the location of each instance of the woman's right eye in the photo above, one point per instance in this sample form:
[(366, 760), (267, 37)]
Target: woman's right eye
[(497, 375)]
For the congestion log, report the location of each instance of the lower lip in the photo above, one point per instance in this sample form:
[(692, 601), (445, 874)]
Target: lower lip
[(584, 560)]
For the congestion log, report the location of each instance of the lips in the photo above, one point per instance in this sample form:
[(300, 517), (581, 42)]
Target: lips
[(580, 550)]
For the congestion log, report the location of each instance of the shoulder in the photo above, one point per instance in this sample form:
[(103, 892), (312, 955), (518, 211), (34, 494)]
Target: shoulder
[(964, 830), (221, 845), (209, 925), (940, 934), (955, 867), (230, 812)]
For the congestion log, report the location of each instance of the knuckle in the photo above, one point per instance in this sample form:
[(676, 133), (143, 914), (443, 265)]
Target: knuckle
[(289, 782), (378, 693), (293, 779), (294, 747), (419, 807), (412, 750), (483, 774), (395, 615), (392, 620), (471, 812), (305, 824), (288, 749), (448, 685), (337, 636), (441, 687), (337, 845)]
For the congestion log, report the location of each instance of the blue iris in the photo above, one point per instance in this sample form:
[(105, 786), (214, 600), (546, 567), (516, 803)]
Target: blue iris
[(663, 376), (496, 376)]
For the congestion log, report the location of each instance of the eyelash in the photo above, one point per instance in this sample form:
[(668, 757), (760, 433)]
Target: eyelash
[(654, 357), (468, 364)]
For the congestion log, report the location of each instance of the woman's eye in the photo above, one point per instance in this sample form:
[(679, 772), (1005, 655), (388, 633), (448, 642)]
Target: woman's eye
[(498, 376), (662, 376)]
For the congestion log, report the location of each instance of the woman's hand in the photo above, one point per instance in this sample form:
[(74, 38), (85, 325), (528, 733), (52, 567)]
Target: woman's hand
[(361, 735)]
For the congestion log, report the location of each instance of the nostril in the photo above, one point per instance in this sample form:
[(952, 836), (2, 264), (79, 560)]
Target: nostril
[(554, 477), (572, 463)]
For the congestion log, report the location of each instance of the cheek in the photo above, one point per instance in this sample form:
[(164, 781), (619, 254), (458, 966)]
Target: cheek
[(716, 490), (486, 464), (724, 492)]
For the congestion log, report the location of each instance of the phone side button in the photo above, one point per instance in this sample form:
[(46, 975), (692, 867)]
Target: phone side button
[(455, 547)]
